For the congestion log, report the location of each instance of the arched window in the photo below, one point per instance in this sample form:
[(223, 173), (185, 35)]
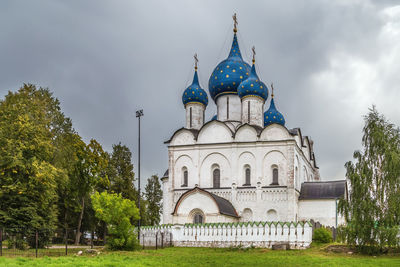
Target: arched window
[(297, 178), (184, 177), (275, 176), (227, 107), (216, 178), (248, 112), (190, 117), (198, 218), (247, 174)]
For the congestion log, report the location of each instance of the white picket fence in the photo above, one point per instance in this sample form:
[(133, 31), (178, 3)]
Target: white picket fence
[(258, 234)]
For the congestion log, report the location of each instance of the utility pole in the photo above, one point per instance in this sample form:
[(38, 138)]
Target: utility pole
[(139, 114)]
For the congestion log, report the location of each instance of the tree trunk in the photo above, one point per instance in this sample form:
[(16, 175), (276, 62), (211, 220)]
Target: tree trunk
[(105, 234), (91, 239), (78, 229), (66, 226)]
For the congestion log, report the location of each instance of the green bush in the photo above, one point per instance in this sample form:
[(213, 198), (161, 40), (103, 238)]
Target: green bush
[(118, 213), (322, 235), (18, 243)]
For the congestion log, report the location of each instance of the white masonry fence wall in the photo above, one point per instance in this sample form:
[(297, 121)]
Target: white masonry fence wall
[(257, 234)]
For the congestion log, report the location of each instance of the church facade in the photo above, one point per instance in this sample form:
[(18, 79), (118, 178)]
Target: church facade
[(244, 164)]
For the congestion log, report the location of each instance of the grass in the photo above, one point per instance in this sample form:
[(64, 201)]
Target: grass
[(315, 256)]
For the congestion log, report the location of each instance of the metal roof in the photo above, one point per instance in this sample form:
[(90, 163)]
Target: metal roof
[(323, 190), (225, 207), (166, 173)]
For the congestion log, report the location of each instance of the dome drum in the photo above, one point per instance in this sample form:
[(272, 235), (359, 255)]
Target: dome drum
[(194, 115), (252, 110)]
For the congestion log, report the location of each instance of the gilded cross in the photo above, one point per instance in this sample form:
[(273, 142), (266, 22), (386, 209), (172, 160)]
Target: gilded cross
[(235, 22), (272, 88), (254, 53), (195, 61)]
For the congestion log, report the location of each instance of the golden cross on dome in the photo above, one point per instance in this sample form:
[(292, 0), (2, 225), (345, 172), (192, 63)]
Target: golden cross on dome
[(272, 88), (254, 53), (195, 61), (235, 23)]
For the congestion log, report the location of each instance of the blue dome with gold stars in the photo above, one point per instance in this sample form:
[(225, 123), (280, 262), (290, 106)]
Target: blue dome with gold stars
[(252, 86), (272, 115), (194, 93), (228, 74)]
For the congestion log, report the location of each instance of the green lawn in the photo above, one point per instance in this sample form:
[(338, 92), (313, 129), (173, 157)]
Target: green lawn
[(210, 257)]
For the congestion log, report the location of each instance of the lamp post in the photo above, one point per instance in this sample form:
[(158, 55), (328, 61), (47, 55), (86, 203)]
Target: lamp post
[(139, 114)]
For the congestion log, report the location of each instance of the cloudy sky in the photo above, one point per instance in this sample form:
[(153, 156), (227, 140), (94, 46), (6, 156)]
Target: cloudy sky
[(329, 61)]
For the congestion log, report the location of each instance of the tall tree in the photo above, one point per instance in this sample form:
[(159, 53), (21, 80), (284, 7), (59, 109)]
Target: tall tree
[(372, 210), (30, 124), (86, 167), (120, 172), (153, 194), (121, 176), (68, 158), (90, 172)]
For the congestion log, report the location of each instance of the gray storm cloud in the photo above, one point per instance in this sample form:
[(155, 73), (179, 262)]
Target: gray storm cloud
[(329, 61)]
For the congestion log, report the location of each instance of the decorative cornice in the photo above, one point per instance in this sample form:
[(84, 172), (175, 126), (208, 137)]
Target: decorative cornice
[(225, 93), (256, 96), (195, 102)]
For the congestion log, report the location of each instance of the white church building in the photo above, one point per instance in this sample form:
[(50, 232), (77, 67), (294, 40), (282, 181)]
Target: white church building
[(245, 164)]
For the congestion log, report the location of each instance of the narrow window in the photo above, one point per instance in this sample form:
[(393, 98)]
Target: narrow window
[(248, 112), (227, 107), (198, 218), (190, 110), (216, 178), (247, 174), (203, 115), (185, 178), (275, 176)]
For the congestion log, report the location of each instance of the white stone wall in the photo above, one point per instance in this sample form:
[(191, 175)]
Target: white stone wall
[(323, 211), (261, 234), (165, 199), (197, 111), (264, 204), (231, 113), (305, 171), (256, 111), (218, 146)]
